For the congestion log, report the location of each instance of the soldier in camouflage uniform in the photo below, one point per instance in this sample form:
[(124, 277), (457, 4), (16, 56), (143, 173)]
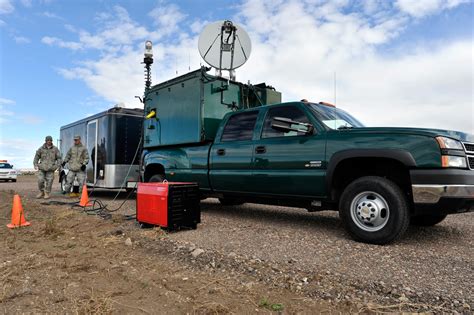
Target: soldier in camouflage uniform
[(47, 160), (77, 158)]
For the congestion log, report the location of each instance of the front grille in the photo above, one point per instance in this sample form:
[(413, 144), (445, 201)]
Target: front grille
[(469, 147), (470, 160)]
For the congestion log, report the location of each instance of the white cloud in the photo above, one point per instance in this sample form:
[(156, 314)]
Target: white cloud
[(117, 33), (5, 114), (32, 120), (54, 41), (6, 7), (70, 28), (421, 8), (27, 3), (5, 101), (167, 18), (21, 40), (428, 87), (111, 77), (121, 42), (51, 15), (19, 152), (197, 26), (297, 47)]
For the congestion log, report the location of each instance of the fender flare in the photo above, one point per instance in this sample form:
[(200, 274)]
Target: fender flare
[(155, 160), (399, 155)]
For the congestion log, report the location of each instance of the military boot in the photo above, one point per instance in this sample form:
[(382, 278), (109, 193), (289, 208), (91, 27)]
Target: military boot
[(46, 195), (40, 195)]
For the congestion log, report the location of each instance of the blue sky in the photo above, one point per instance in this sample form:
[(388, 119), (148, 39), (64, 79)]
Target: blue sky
[(403, 63)]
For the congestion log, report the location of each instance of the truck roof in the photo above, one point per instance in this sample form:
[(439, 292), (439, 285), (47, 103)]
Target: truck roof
[(304, 102)]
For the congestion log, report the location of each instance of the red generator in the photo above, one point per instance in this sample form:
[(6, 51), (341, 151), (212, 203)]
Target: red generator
[(168, 205)]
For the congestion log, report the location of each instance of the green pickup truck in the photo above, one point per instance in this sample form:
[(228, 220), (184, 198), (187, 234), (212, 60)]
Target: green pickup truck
[(318, 157)]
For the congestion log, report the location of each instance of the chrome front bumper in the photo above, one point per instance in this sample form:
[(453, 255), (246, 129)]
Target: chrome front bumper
[(433, 193)]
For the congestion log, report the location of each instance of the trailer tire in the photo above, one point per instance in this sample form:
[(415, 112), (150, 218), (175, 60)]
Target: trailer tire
[(374, 210), (63, 183)]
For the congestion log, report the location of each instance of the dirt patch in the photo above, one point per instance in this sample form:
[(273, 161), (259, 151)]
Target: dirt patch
[(244, 259), (67, 261)]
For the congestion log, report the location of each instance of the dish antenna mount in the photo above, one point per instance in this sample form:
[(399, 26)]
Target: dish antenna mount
[(224, 46)]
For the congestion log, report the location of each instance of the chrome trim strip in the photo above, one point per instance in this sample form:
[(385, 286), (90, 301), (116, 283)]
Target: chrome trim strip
[(115, 176), (432, 193)]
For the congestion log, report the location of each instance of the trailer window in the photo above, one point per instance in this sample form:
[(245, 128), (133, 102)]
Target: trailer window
[(240, 127)]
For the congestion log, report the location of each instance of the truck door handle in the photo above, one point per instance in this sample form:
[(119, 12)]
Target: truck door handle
[(260, 149), (221, 152)]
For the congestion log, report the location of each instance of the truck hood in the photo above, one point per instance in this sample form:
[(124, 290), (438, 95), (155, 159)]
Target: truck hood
[(457, 135)]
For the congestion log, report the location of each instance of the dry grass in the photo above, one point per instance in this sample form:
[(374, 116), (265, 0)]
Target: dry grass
[(52, 229), (155, 233), (92, 303), (403, 307), (211, 308)]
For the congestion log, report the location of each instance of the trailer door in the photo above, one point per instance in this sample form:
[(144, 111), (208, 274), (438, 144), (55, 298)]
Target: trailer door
[(92, 149)]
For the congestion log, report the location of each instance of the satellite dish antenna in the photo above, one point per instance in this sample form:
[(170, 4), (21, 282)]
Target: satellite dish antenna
[(224, 46)]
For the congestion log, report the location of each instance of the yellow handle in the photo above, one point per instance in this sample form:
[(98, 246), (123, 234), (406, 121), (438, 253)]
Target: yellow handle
[(151, 114)]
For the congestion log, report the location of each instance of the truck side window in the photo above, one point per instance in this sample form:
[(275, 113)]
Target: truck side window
[(240, 127), (291, 112)]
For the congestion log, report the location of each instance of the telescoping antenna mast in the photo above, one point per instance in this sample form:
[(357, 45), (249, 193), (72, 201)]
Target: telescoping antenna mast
[(224, 46), (148, 61)]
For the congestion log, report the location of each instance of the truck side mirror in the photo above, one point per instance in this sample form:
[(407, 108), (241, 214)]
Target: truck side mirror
[(287, 124)]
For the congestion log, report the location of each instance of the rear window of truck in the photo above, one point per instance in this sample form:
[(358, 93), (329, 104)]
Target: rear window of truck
[(240, 127)]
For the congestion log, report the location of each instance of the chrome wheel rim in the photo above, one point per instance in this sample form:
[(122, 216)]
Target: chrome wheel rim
[(370, 211)]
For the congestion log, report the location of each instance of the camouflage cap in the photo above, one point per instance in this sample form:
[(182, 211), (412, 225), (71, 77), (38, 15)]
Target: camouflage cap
[(77, 137), (48, 138)]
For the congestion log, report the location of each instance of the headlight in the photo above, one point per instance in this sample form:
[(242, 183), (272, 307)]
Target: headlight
[(448, 143), (453, 161)]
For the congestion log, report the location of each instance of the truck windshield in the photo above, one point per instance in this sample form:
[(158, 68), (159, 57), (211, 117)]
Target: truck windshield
[(334, 118), (5, 165)]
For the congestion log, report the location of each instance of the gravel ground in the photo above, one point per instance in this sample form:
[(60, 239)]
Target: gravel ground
[(429, 265), (429, 269)]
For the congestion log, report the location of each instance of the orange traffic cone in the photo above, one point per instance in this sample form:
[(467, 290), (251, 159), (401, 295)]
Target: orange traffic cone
[(84, 198), (18, 215)]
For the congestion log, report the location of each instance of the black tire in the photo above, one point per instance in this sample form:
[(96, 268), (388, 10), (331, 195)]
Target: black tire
[(374, 210), (228, 201), (427, 220), (157, 178), (14, 180)]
